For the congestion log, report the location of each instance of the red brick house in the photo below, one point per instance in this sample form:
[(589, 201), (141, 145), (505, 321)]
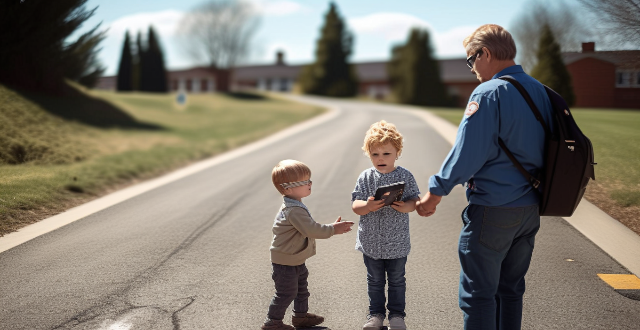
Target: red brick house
[(193, 80), (372, 78), (605, 79)]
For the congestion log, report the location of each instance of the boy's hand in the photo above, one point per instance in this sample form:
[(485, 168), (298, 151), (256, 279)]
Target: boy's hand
[(374, 205), (340, 227), (404, 207)]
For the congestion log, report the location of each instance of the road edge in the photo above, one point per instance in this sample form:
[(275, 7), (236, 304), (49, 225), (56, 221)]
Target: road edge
[(47, 225), (614, 238)]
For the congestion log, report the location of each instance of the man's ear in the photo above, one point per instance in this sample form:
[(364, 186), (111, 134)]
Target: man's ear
[(486, 51)]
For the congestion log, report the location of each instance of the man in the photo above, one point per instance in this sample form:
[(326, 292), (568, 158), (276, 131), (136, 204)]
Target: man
[(501, 220)]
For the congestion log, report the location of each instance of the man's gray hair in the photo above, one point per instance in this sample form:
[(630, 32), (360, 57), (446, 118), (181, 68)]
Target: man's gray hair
[(498, 40)]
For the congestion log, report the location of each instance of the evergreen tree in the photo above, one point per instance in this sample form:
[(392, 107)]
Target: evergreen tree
[(414, 74), (550, 69), (81, 62), (138, 60), (125, 69), (331, 74), (34, 52), (156, 71)]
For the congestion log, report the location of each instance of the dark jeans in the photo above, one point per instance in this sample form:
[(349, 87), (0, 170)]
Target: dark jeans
[(495, 248), (377, 270), (291, 285)]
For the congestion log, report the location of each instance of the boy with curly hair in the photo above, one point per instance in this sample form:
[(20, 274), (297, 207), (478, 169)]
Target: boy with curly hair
[(383, 231)]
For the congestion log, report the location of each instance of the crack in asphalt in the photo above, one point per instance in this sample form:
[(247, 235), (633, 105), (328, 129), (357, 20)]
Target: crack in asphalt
[(116, 298), (174, 316)]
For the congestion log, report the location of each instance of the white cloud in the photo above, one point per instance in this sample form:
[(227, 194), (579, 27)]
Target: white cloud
[(164, 22), (390, 26), (278, 7), (449, 43), (395, 27)]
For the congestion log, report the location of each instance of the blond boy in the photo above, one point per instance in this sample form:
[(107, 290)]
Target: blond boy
[(294, 234), (383, 231)]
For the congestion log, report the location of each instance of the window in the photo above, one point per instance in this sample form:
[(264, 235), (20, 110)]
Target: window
[(623, 79)]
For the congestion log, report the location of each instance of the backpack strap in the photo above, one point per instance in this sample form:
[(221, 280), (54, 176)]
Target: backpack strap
[(527, 98), (532, 180)]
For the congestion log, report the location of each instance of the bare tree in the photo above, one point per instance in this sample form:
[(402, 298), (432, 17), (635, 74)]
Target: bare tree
[(565, 21), (620, 19), (219, 32)]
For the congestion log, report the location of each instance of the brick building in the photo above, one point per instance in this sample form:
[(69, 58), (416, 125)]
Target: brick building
[(193, 80), (373, 80), (605, 79)]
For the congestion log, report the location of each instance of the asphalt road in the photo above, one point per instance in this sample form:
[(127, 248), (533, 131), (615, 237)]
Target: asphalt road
[(194, 254)]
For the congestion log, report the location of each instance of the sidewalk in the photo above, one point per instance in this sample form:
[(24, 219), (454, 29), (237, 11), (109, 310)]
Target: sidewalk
[(618, 241)]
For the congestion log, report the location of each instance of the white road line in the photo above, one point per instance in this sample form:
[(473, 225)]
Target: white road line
[(42, 227)]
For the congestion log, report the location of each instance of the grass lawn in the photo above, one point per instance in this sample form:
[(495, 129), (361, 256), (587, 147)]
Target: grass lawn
[(49, 164), (616, 141)]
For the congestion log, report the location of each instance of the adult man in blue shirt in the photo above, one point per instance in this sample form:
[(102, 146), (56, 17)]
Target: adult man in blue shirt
[(501, 220)]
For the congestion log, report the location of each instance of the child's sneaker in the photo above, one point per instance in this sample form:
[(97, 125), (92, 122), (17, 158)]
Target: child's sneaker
[(308, 320), (276, 325), (397, 323), (374, 322)]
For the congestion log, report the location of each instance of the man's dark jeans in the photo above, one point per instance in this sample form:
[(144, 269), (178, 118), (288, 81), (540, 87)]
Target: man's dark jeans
[(291, 285), (377, 270), (495, 248)]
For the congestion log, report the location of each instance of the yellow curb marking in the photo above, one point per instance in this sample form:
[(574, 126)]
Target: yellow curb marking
[(621, 281)]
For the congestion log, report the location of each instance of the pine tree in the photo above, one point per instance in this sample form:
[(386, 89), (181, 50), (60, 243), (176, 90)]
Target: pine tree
[(138, 62), (156, 71), (414, 74), (125, 69), (550, 69), (331, 74), (34, 53)]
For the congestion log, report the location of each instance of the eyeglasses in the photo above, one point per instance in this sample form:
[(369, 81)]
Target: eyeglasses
[(288, 185), (472, 59)]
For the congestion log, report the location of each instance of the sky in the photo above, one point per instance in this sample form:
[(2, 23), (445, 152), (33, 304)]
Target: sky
[(293, 26)]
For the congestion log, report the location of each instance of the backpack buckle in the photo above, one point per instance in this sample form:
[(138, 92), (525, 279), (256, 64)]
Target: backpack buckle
[(535, 182)]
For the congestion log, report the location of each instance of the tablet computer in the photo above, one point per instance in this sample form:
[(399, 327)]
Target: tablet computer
[(390, 193)]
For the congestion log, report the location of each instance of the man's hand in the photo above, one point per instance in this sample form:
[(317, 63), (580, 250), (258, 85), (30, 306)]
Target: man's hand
[(427, 205), (340, 227)]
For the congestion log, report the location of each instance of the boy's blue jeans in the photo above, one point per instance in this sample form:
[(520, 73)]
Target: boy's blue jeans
[(495, 248), (377, 271)]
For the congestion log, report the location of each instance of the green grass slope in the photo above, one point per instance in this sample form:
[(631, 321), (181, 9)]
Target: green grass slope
[(56, 152)]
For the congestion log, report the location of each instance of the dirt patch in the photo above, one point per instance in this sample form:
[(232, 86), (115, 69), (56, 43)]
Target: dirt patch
[(600, 196)]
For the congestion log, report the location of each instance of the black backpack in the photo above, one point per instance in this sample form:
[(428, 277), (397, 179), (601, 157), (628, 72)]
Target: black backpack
[(568, 163)]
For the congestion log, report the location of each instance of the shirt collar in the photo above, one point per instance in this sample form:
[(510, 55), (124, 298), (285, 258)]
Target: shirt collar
[(510, 70), (288, 202)]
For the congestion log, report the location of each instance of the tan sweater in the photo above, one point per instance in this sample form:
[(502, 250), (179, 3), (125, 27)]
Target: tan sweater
[(294, 234)]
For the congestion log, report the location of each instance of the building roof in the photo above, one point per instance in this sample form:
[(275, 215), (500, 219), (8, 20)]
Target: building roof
[(371, 71), (622, 59), (456, 70), (200, 71), (451, 70), (256, 72)]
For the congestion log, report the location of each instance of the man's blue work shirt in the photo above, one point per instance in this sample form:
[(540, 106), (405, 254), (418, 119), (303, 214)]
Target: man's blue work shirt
[(497, 109)]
